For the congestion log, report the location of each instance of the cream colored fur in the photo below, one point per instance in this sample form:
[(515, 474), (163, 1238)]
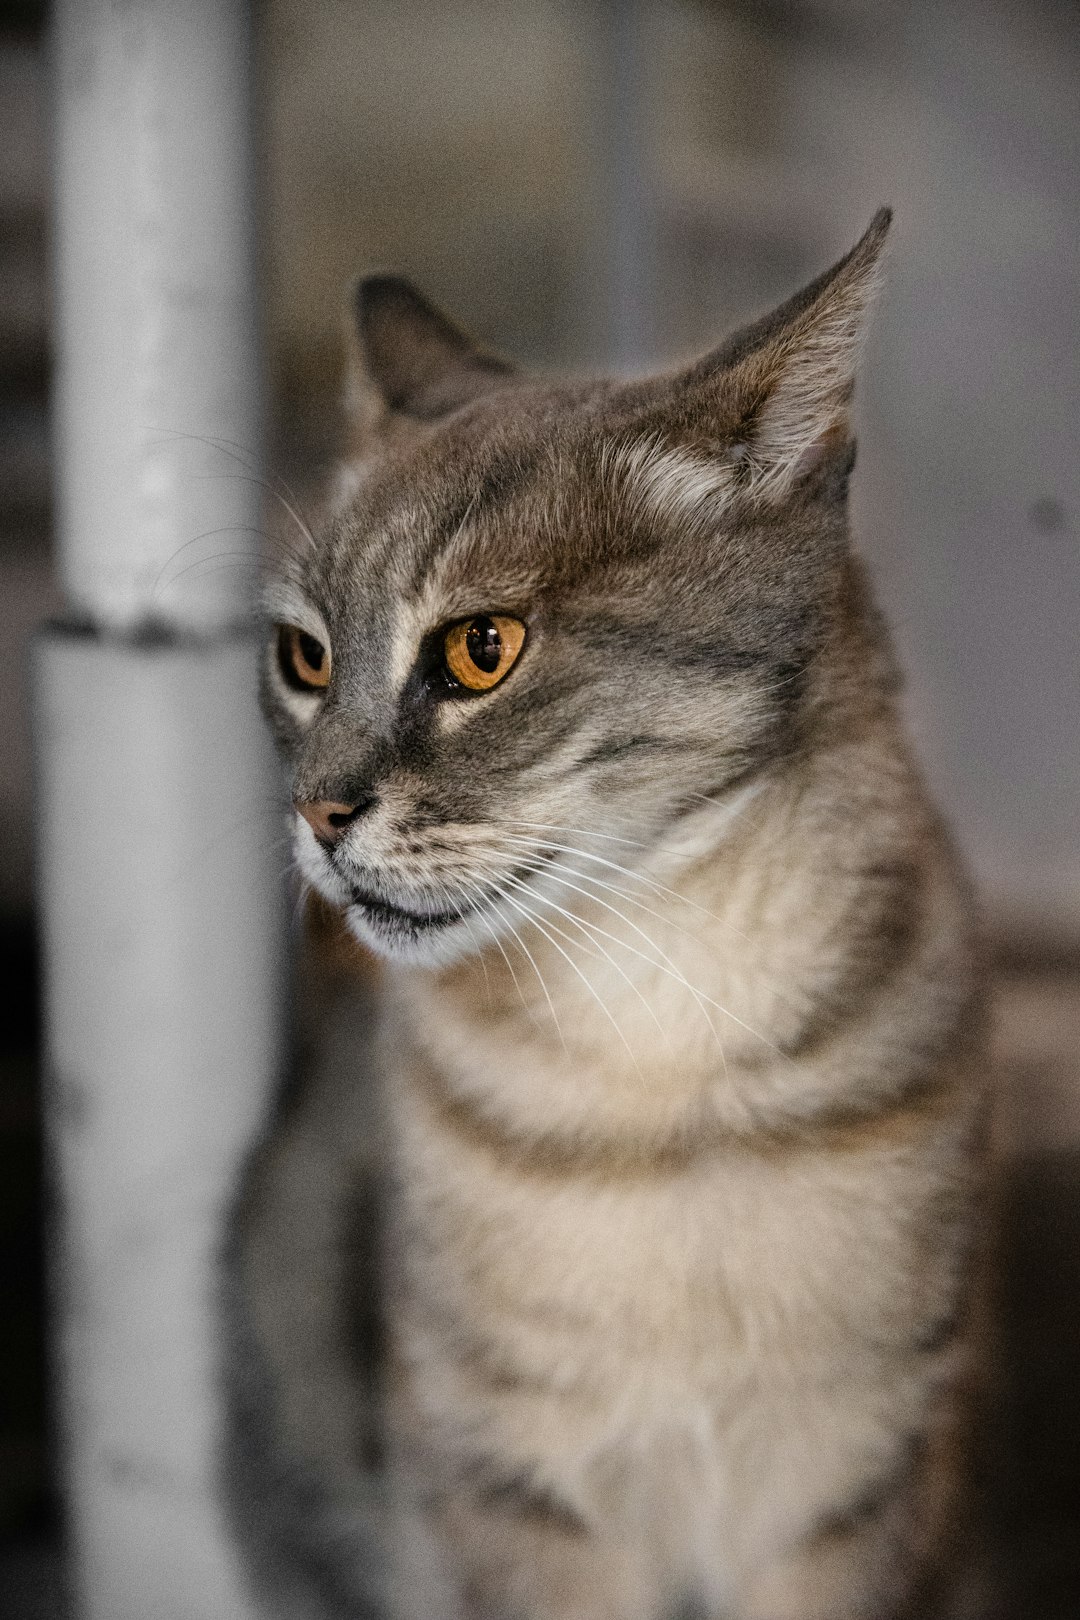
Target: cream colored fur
[(681, 1041), (649, 1279)]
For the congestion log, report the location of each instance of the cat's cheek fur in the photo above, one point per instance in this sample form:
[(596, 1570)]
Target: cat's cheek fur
[(314, 868)]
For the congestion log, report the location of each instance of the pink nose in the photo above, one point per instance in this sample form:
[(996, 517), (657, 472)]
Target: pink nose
[(328, 820)]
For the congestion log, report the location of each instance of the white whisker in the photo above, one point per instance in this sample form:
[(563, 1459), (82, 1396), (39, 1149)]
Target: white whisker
[(540, 977), (246, 459), (451, 898), (665, 964), (582, 925), (659, 888), (669, 965), (608, 1014), (651, 911)]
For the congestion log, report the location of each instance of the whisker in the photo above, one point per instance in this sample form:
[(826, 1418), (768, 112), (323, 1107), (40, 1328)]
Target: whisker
[(542, 927), (211, 534), (661, 891), (267, 488), (556, 873), (589, 947), (247, 459), (451, 898), (659, 888), (540, 977), (510, 966), (581, 924), (223, 559), (650, 911), (739, 809), (665, 965), (584, 832), (477, 890)]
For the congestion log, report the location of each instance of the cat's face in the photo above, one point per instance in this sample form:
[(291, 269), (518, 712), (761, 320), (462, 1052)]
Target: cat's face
[(547, 629)]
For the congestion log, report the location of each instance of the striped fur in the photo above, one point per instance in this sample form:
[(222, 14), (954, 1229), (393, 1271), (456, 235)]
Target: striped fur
[(686, 1108)]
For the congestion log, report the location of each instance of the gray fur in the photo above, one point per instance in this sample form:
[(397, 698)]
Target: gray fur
[(700, 637)]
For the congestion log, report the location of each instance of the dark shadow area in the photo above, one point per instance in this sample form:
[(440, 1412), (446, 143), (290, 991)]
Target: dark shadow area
[(29, 1506), (1036, 1489)]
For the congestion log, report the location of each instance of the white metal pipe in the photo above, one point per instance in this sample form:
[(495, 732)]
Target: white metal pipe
[(155, 305), (157, 834), (160, 946)]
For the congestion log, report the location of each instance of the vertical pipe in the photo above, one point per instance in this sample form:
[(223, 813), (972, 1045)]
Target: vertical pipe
[(155, 303), (159, 904)]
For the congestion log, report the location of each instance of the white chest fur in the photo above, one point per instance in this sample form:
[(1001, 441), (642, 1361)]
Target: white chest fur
[(712, 1353)]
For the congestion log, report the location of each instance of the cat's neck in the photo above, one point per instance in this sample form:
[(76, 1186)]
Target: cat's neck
[(690, 995)]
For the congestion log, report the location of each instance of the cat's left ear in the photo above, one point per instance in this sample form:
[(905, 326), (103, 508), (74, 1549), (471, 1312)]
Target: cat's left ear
[(782, 388), (408, 359)]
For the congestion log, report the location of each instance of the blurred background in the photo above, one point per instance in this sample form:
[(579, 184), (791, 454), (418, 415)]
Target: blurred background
[(592, 184)]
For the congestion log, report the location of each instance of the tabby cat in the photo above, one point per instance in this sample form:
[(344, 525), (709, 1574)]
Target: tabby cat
[(593, 737)]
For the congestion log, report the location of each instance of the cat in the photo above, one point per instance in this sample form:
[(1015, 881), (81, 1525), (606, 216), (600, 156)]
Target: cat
[(593, 736)]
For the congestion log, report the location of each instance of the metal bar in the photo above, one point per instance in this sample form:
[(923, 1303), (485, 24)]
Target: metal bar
[(156, 825), (160, 946), (155, 303)]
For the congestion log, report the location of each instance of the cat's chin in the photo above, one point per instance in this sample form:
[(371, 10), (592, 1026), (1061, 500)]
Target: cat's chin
[(431, 940), (402, 933)]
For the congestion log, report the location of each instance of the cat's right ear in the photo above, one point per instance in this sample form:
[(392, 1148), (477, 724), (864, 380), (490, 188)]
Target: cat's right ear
[(780, 391), (408, 360)]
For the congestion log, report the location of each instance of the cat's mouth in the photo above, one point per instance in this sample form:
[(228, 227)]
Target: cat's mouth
[(394, 918), (398, 927)]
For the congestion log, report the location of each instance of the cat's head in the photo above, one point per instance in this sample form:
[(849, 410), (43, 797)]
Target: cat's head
[(547, 627)]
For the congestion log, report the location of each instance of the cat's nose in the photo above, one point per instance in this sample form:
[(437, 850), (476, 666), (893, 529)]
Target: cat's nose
[(329, 820)]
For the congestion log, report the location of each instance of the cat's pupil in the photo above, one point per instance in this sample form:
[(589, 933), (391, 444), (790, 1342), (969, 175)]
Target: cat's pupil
[(311, 652), (484, 645)]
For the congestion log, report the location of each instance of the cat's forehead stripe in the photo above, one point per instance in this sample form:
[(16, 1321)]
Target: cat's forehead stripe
[(409, 626), (657, 483), (456, 525)]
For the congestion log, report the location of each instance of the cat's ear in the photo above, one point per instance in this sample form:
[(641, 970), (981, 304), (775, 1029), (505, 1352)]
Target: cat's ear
[(784, 385), (408, 359)]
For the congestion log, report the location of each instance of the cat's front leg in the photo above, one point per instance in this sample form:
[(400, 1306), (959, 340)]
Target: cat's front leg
[(517, 1554), (901, 1552)]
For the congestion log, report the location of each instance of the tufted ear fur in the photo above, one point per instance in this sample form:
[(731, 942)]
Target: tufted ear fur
[(408, 359), (779, 392)]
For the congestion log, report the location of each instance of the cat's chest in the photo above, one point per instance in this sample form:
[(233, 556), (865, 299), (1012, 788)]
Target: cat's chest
[(733, 1270), (709, 1355)]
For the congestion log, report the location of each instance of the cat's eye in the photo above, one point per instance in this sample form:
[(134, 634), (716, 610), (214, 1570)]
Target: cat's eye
[(303, 660), (480, 651)]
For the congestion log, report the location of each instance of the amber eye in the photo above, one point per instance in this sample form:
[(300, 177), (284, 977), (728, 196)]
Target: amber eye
[(480, 651), (304, 662)]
